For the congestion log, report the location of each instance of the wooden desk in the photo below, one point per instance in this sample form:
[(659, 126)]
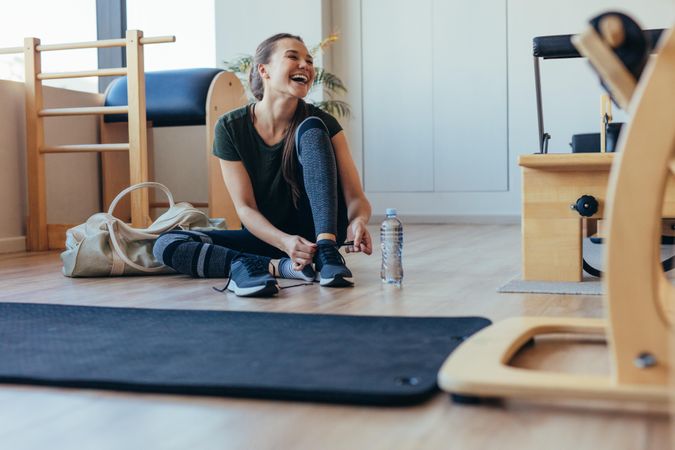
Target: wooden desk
[(551, 230)]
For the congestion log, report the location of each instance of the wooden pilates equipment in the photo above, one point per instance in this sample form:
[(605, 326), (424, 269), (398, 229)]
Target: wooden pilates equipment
[(552, 232), (37, 233), (640, 300), (225, 93), (553, 184)]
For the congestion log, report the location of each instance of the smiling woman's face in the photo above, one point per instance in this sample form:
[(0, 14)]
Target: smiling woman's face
[(290, 70)]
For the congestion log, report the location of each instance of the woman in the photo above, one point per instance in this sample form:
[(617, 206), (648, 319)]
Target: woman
[(295, 187)]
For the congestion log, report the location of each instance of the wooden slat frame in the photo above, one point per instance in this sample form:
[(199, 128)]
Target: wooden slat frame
[(138, 133), (104, 43), (83, 74), (83, 148), (36, 225), (37, 235), (94, 110)]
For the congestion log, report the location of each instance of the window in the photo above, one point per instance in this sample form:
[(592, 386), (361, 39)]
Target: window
[(53, 23), (193, 24)]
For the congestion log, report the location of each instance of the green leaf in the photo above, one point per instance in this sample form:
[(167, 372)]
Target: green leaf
[(329, 81)]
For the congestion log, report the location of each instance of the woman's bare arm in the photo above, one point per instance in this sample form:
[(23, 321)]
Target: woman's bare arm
[(241, 190)]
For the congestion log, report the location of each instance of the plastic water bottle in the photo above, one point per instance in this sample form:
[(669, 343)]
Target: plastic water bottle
[(391, 241)]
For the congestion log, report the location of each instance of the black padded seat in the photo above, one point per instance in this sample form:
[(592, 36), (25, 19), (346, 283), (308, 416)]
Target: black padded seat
[(172, 97), (560, 46)]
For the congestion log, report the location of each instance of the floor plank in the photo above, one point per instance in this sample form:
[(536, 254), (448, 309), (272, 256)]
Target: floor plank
[(449, 270)]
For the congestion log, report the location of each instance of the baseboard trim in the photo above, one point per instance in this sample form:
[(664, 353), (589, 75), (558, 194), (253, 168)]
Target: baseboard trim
[(453, 220), (13, 244)]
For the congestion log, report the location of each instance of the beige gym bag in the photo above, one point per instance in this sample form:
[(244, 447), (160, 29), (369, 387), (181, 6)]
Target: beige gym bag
[(107, 246)]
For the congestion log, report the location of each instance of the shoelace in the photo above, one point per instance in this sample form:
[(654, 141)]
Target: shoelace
[(253, 266), (329, 254)]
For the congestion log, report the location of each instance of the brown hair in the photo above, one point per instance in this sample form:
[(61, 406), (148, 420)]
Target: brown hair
[(263, 55)]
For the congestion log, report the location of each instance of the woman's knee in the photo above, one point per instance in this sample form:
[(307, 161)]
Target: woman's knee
[(316, 128), (310, 123)]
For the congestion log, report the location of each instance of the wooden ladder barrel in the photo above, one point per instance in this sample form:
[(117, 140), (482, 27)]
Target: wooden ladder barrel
[(37, 236), (639, 298)]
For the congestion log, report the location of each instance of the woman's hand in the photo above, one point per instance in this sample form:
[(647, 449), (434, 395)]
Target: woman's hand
[(358, 233), (300, 250)]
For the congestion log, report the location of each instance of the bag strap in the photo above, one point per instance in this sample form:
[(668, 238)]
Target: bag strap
[(135, 187), (117, 248)]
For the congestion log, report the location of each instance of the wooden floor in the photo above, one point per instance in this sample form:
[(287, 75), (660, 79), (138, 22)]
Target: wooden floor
[(449, 270)]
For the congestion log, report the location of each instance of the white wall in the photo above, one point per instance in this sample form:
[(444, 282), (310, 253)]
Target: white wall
[(429, 94), (344, 59), (571, 93), (398, 101)]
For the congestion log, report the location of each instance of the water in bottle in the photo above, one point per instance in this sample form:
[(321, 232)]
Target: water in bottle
[(391, 240)]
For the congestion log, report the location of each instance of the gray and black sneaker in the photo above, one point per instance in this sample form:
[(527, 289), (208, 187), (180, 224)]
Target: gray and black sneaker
[(250, 277), (286, 271), (330, 265)]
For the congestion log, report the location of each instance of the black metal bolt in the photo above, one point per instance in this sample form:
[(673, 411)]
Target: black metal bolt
[(586, 205)]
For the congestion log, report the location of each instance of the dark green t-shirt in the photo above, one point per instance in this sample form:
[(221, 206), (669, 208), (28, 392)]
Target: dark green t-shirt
[(236, 139)]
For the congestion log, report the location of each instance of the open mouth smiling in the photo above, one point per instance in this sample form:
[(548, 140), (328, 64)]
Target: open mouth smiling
[(300, 78)]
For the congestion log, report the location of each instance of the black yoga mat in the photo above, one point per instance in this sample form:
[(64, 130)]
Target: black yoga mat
[(328, 358)]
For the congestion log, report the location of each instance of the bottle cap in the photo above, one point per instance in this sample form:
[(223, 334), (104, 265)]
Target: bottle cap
[(391, 211)]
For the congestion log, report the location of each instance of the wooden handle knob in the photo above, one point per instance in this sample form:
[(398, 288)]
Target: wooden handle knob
[(612, 30)]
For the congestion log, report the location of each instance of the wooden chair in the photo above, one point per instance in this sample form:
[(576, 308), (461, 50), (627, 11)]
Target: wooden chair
[(38, 231), (173, 98), (640, 300)]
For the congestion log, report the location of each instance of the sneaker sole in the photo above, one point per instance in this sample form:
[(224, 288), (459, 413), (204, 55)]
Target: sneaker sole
[(336, 282), (266, 290)]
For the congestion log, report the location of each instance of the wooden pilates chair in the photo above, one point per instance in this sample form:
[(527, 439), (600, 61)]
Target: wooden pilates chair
[(39, 234), (173, 98), (640, 300)]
